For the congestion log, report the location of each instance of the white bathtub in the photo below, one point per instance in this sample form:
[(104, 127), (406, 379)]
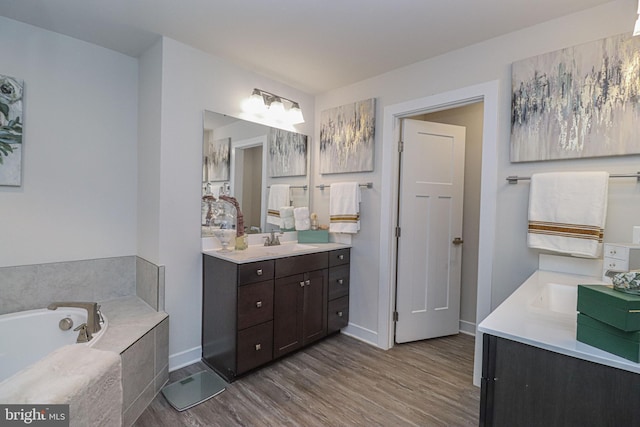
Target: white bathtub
[(28, 336)]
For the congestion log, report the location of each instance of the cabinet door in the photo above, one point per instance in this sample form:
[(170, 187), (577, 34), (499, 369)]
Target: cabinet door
[(315, 306), (287, 314)]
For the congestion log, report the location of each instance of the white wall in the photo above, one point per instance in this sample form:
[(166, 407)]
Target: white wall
[(483, 62), (193, 81), (78, 194)]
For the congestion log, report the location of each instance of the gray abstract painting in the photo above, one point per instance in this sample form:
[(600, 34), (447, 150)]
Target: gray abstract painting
[(10, 130), (347, 137), (582, 101), (217, 159), (287, 153)]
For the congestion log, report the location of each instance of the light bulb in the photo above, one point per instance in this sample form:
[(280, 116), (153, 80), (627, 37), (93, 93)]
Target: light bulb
[(295, 114)]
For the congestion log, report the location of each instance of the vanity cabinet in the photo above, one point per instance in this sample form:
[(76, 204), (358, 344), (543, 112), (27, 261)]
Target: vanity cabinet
[(526, 385), (256, 312)]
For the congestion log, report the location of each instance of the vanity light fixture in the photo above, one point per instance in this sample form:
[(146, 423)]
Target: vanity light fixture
[(636, 30), (273, 106)]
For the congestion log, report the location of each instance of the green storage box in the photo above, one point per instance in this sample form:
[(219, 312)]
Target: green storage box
[(608, 338), (313, 236), (607, 305)]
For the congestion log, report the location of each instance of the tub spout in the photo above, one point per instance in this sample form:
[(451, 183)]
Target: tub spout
[(94, 317)]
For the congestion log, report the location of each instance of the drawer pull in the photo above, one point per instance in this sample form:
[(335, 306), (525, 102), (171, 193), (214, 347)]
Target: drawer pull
[(340, 281), (339, 313), (258, 304), (307, 282), (259, 272), (258, 347), (340, 256), (302, 284)]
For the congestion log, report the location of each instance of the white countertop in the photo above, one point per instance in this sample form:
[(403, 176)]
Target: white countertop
[(261, 253), (539, 313)]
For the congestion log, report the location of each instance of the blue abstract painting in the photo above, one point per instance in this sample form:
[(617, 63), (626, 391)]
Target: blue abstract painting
[(578, 102)]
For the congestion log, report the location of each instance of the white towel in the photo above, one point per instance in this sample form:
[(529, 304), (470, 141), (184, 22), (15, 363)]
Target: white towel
[(278, 197), (286, 215), (302, 220), (567, 212), (344, 207)]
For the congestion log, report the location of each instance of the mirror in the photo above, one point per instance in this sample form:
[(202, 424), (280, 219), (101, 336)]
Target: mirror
[(244, 159)]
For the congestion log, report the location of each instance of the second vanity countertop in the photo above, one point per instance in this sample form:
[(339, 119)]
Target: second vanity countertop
[(541, 313), (261, 253)]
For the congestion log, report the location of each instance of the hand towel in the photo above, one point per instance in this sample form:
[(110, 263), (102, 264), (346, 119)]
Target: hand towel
[(278, 197), (567, 212), (288, 220), (301, 217), (344, 207)]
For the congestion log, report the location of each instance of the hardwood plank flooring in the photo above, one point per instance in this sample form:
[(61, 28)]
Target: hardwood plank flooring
[(341, 381)]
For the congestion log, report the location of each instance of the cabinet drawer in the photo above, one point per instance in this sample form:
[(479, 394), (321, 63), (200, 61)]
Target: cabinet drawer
[(339, 257), (255, 272), (616, 264), (615, 251), (301, 264), (255, 347), (338, 314), (255, 304), (338, 281)]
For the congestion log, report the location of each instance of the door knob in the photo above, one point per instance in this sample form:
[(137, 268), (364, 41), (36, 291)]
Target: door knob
[(458, 241)]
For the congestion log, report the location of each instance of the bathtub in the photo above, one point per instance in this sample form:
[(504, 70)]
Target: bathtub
[(28, 336)]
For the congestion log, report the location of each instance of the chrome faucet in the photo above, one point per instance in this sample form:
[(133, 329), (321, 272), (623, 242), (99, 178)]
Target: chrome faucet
[(272, 239), (94, 317)]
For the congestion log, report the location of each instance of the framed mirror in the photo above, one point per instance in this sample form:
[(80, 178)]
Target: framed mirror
[(244, 159)]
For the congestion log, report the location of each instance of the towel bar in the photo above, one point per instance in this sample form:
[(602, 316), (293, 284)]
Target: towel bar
[(513, 179), (366, 185), (304, 187)]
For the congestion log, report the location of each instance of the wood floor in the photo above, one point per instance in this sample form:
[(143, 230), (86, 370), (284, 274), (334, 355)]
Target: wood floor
[(341, 381)]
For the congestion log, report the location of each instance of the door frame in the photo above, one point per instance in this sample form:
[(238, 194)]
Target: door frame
[(488, 93)]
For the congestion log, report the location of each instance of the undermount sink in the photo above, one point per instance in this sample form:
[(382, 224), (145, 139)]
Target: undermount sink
[(286, 248), (557, 298)]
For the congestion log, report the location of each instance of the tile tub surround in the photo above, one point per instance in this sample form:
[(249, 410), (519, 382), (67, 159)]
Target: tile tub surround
[(35, 286), (86, 280), (141, 335)]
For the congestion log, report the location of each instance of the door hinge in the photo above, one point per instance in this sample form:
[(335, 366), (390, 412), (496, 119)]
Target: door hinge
[(397, 231), (395, 316), (400, 146)]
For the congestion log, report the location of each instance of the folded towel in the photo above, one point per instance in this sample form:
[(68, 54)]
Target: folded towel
[(567, 212), (302, 220), (278, 197), (344, 207), (89, 380), (287, 218)]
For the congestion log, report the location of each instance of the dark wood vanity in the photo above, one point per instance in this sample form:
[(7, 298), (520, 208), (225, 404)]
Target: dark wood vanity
[(256, 312)]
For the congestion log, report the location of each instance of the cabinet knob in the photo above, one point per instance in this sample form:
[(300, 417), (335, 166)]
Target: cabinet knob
[(258, 304), (340, 256), (307, 282), (340, 281), (302, 284), (258, 347), (339, 313), (259, 272)]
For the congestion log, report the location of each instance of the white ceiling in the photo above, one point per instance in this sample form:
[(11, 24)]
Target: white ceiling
[(312, 45)]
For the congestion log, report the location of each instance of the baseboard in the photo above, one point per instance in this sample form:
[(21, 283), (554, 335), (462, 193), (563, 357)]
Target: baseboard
[(467, 328), (362, 334), (184, 358)]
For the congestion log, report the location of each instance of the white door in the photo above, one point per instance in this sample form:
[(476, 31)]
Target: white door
[(430, 221)]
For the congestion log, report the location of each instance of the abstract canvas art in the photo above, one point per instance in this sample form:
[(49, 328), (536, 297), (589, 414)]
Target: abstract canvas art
[(217, 160), (347, 138), (287, 153), (578, 102), (10, 130)]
